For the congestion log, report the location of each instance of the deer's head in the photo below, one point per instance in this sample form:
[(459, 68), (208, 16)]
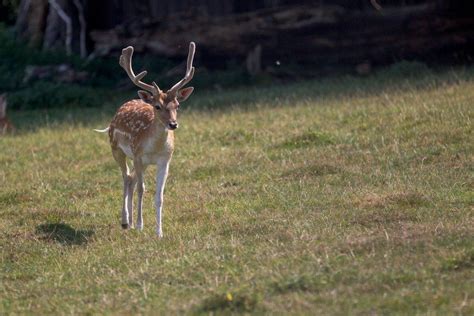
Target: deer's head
[(166, 104)]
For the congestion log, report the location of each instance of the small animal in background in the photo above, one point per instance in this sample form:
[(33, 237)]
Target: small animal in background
[(143, 130), (5, 125)]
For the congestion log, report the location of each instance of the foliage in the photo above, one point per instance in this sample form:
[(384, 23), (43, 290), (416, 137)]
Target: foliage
[(49, 94), (8, 10), (105, 77), (341, 196), (16, 56)]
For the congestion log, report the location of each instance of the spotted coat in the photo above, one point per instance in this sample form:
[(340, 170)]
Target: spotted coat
[(137, 121)]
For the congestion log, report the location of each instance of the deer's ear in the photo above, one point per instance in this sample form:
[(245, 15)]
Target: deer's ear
[(145, 96), (183, 94)]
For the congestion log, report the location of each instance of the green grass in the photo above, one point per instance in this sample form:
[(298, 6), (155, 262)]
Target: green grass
[(341, 196)]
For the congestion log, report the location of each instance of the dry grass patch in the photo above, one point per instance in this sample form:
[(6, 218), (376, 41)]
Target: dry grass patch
[(395, 199)]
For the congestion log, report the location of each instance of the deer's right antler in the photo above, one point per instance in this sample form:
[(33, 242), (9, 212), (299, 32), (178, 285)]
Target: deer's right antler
[(126, 63)]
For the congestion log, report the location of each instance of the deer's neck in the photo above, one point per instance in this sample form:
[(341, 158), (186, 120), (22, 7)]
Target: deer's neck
[(159, 130), (161, 137)]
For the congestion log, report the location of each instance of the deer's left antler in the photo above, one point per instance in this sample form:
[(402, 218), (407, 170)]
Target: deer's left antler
[(189, 70)]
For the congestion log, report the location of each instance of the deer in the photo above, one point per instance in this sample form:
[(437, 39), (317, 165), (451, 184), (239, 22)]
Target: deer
[(142, 131), (5, 125)]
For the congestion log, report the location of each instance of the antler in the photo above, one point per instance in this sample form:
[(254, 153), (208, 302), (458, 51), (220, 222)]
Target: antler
[(189, 70), (126, 63)]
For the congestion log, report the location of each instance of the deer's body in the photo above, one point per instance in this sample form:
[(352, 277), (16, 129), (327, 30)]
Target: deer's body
[(142, 130), (138, 131)]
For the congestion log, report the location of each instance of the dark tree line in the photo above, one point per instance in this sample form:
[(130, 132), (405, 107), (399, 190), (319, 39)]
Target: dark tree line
[(253, 32)]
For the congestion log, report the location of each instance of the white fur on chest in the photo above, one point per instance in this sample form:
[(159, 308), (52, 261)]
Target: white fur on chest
[(155, 148)]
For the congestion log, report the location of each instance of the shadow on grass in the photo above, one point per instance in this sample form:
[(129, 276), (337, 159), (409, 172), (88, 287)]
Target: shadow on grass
[(63, 233), (308, 139), (459, 262), (311, 171), (299, 284), (228, 303)]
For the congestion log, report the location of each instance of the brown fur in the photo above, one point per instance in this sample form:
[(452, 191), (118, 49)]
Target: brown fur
[(141, 121)]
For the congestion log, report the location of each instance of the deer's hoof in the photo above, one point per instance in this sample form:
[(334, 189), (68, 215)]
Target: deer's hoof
[(125, 226)]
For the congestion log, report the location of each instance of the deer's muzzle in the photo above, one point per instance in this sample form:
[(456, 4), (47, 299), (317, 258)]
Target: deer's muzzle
[(173, 125)]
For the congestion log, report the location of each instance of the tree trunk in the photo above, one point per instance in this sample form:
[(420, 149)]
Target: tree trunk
[(54, 24), (31, 21)]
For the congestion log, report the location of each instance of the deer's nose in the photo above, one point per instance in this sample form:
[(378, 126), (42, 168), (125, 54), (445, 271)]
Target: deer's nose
[(173, 125)]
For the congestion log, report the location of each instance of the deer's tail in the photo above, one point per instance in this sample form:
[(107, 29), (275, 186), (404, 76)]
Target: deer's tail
[(105, 130)]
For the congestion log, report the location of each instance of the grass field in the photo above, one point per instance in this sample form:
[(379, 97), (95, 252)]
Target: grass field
[(339, 196)]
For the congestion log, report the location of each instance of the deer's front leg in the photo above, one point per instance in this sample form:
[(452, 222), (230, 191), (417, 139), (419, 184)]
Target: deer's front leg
[(162, 174), (139, 171)]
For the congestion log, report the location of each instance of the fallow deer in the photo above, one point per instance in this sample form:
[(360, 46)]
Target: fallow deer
[(5, 125), (143, 131)]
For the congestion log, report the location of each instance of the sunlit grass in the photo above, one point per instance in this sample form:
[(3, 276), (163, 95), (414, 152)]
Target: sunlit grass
[(334, 197)]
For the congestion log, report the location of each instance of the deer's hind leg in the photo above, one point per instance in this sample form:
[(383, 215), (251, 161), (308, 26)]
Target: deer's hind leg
[(127, 202), (131, 183)]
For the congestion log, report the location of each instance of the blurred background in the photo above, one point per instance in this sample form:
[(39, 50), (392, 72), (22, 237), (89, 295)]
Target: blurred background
[(65, 52)]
